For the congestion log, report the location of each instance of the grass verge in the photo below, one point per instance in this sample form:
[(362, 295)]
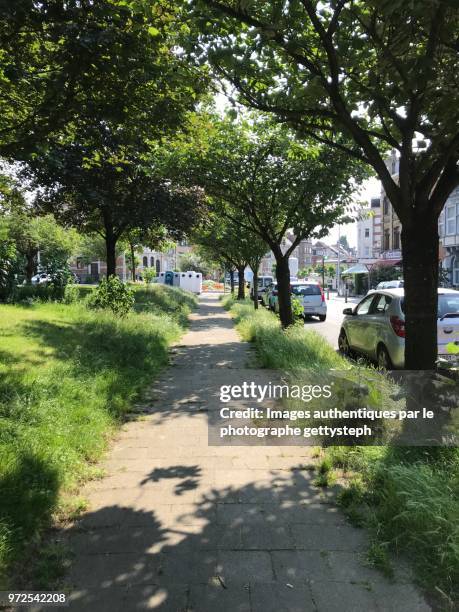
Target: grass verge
[(67, 377), (294, 348), (407, 497)]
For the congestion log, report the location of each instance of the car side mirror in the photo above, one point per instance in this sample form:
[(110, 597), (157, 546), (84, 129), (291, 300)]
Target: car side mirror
[(348, 311)]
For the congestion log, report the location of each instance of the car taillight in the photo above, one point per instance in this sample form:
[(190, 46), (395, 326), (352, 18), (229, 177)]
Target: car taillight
[(398, 325)]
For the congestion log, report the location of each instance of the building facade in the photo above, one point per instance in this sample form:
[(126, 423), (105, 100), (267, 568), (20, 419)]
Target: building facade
[(391, 226), (329, 253), (159, 261), (304, 254), (369, 232), (448, 231)]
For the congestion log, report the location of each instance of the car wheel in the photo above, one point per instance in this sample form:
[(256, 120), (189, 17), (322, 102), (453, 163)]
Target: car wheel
[(343, 344), (383, 358), (322, 318)]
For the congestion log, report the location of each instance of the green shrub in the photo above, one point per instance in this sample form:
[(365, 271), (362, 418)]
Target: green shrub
[(44, 292), (297, 307), (71, 294), (149, 274), (112, 294)]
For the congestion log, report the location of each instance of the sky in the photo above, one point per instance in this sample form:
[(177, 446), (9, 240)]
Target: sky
[(370, 189)]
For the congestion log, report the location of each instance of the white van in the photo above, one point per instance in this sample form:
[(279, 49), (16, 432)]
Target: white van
[(263, 284)]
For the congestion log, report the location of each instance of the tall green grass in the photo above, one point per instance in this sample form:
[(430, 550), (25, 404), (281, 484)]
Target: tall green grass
[(407, 497), (294, 348), (67, 377)]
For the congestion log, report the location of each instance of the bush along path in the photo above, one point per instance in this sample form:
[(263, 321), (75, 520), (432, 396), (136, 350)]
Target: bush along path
[(69, 375), (178, 524)]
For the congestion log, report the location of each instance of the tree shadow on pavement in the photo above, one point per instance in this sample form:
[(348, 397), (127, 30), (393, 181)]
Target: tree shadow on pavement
[(188, 476), (268, 546)]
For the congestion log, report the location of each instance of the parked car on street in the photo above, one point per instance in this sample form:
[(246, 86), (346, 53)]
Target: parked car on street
[(39, 279), (375, 328), (393, 284), (269, 296), (311, 296), (263, 283)]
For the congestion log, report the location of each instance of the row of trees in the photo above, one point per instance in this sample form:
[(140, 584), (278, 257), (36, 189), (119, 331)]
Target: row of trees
[(89, 92), (359, 76), (261, 181), (31, 243)]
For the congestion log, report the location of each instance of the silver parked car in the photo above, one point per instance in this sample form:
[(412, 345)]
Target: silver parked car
[(268, 296), (393, 284), (311, 296), (376, 327)]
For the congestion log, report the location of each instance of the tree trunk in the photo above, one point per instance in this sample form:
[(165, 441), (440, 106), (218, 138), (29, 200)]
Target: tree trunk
[(255, 287), (110, 245), (283, 289), (420, 273), (131, 246), (241, 287), (31, 265), (231, 281)]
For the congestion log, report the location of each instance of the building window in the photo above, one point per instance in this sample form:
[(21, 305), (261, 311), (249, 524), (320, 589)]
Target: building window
[(451, 220), (386, 240), (367, 232), (80, 263), (456, 271), (441, 225), (145, 262), (386, 205), (158, 266), (152, 262), (367, 251), (396, 241)]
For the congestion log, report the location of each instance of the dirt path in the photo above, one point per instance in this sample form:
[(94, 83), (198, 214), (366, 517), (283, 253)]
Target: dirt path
[(178, 525)]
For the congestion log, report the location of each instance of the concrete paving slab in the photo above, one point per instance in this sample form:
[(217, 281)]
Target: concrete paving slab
[(178, 525), (274, 597)]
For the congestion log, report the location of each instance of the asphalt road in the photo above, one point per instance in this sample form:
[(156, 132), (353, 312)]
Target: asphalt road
[(331, 327)]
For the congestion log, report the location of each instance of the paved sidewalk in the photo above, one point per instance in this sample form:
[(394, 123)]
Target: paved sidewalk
[(180, 526)]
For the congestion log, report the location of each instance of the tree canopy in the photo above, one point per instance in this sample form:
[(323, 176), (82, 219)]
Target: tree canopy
[(64, 62), (361, 76), (267, 181)]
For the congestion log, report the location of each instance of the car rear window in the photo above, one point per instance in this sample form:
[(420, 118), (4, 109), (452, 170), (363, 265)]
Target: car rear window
[(305, 289), (448, 303)]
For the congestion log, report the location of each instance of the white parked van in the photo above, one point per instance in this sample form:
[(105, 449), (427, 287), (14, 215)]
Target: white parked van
[(263, 283)]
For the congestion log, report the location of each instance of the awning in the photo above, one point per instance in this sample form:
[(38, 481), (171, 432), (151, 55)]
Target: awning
[(387, 262), (357, 269)]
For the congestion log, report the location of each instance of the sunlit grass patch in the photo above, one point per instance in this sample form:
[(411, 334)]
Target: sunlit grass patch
[(68, 375)]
